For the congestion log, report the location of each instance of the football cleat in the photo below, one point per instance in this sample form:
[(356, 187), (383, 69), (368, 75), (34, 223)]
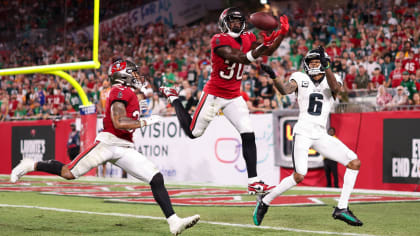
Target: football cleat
[(260, 210), (347, 216), (259, 187), (170, 93), (25, 166), (182, 224)]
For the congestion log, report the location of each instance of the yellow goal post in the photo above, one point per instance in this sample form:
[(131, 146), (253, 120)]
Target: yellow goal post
[(58, 69)]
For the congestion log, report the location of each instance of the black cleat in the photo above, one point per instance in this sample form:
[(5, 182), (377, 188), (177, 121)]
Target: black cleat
[(347, 216), (260, 210)]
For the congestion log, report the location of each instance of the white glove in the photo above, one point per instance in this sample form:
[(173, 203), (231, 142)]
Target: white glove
[(152, 119)]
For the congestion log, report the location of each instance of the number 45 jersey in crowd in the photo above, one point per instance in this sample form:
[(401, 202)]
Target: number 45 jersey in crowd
[(226, 76), (315, 102)]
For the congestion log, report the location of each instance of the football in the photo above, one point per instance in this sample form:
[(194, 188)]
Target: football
[(263, 21)]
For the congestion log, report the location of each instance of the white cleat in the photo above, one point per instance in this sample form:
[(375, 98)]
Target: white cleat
[(182, 224), (25, 166)]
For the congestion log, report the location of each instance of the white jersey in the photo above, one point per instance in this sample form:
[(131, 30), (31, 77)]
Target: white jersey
[(315, 103)]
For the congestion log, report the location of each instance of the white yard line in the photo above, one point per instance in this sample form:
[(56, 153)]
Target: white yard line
[(205, 222)]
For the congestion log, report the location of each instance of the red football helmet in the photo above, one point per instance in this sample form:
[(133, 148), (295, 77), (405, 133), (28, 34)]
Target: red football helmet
[(228, 15)]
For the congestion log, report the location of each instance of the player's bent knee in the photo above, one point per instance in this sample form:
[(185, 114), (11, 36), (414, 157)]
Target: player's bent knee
[(354, 164), (298, 177), (66, 173)]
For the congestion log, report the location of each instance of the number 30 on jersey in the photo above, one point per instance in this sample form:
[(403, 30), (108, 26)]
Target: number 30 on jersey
[(231, 71)]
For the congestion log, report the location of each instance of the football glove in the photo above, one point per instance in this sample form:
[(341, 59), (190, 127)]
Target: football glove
[(269, 40), (325, 62), (152, 120), (284, 21), (267, 69)]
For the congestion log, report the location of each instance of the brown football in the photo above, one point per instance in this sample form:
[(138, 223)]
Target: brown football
[(263, 21)]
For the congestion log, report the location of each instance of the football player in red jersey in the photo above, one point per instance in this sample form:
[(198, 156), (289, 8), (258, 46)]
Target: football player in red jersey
[(231, 50), (115, 144)]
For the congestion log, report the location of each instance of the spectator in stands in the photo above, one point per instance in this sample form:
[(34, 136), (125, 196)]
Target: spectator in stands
[(361, 81), (416, 100), (157, 106), (386, 67), (400, 98), (408, 84), (377, 79), (383, 98), (350, 77), (73, 143), (396, 74), (4, 105)]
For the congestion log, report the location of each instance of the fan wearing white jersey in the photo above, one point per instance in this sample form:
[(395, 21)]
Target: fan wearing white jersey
[(316, 91)]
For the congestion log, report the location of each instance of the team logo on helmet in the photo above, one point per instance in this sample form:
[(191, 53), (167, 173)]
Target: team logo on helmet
[(228, 15), (125, 73)]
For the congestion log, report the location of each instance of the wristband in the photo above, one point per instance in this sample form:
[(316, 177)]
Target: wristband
[(249, 56)]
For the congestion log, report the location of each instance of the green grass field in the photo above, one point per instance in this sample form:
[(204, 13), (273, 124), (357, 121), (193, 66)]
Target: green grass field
[(93, 216)]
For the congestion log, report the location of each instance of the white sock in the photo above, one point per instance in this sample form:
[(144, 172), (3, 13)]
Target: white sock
[(349, 181), (172, 219), (253, 180), (284, 185), (172, 98)]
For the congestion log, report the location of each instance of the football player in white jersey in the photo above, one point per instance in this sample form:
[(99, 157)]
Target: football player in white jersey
[(316, 90)]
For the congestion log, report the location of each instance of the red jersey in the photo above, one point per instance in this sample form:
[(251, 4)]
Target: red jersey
[(226, 76), (378, 80), (396, 77), (410, 65), (124, 94)]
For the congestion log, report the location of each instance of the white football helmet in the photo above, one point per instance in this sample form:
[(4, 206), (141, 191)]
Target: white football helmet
[(314, 54)]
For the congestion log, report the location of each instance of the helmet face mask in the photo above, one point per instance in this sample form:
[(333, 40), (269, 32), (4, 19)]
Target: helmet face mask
[(125, 73), (228, 16)]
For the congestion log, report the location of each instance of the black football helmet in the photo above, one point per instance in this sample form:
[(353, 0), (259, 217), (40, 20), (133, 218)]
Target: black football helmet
[(125, 73), (229, 14), (314, 54)]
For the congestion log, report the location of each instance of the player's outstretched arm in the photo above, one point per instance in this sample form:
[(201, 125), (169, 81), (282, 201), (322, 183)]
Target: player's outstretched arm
[(277, 37), (236, 55), (332, 81), (284, 88)]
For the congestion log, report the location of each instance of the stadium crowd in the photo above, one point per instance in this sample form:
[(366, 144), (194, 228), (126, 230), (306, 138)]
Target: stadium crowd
[(374, 47)]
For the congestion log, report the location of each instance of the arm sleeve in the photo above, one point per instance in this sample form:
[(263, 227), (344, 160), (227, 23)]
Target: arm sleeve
[(339, 79)]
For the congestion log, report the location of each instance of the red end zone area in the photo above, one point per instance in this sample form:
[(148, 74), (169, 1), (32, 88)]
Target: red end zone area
[(185, 196)]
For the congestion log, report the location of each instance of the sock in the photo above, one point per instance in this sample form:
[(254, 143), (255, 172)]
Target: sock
[(249, 150), (253, 180), (172, 219), (284, 185), (50, 166), (183, 117), (172, 99), (161, 196), (349, 181)]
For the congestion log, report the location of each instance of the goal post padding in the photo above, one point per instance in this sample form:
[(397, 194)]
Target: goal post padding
[(88, 121)]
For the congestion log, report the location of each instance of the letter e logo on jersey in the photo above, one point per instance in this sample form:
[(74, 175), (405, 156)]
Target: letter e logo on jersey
[(305, 84)]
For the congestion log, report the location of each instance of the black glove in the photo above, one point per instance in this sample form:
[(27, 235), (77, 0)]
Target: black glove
[(325, 62), (267, 69)]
